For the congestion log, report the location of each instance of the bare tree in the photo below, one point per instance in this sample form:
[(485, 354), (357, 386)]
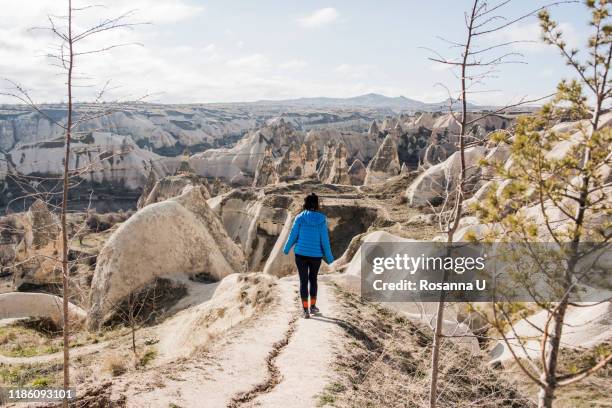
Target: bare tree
[(70, 49), (478, 61), (138, 308)]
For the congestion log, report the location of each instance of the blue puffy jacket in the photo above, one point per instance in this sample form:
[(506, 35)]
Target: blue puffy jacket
[(310, 237)]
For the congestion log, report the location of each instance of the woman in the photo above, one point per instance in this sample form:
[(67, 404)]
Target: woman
[(311, 239)]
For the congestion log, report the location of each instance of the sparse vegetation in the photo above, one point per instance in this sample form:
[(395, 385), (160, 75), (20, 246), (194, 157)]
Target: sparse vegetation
[(30, 375), (114, 364), (387, 359), (147, 357), (26, 339), (41, 382)]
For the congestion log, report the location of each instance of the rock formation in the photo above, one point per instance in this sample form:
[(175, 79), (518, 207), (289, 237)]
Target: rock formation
[(357, 173), (432, 185), (385, 164), (397, 130), (45, 226), (445, 127), (254, 220), (327, 161), (310, 153), (237, 298), (173, 186), (374, 131), (291, 164), (362, 146), (277, 263), (37, 251), (424, 312), (181, 236), (265, 173), (184, 166), (147, 188), (425, 120), (585, 326), (100, 157), (338, 173), (243, 158), (436, 152), (167, 130), (389, 123), (17, 305)]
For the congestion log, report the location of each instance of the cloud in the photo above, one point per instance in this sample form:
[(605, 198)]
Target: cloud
[(355, 71), (319, 18), (210, 48), (158, 11), (293, 64), (439, 67), (250, 61)]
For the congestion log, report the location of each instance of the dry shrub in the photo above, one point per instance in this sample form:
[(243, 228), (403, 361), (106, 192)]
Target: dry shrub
[(114, 364)]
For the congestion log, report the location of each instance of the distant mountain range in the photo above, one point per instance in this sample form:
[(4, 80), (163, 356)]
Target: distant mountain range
[(371, 100)]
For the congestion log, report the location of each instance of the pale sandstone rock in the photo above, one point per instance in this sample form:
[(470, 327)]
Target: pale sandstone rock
[(338, 173), (16, 305), (357, 173), (265, 173), (385, 164), (181, 235)]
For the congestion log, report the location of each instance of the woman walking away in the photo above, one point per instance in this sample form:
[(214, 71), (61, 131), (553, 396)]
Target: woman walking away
[(311, 239)]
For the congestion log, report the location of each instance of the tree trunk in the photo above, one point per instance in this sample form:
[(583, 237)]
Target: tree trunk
[(64, 210), (435, 354), (549, 376), (546, 397), (133, 337)]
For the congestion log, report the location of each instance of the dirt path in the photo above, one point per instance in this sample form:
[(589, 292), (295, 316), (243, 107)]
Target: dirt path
[(305, 361), (278, 359)]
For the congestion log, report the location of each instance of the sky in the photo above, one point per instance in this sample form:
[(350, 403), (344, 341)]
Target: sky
[(202, 51)]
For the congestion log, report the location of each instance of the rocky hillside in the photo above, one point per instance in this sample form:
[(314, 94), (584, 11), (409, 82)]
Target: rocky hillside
[(116, 153)]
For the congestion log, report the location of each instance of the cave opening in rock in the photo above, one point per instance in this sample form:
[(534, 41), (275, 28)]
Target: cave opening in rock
[(346, 221)]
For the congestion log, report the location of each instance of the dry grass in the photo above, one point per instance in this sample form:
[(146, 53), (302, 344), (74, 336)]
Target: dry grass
[(27, 338), (594, 391), (114, 364), (256, 291), (386, 363), (35, 337), (146, 358)]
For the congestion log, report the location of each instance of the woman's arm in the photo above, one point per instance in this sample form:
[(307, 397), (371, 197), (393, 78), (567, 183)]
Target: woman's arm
[(329, 257), (293, 236)]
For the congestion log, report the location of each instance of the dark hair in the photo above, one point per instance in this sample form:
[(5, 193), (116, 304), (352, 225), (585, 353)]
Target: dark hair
[(311, 202)]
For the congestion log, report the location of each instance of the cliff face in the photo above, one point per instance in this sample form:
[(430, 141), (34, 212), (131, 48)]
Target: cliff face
[(99, 157), (165, 130), (243, 158), (266, 170)]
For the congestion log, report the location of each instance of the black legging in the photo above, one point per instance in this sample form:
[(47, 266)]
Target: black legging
[(308, 268)]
